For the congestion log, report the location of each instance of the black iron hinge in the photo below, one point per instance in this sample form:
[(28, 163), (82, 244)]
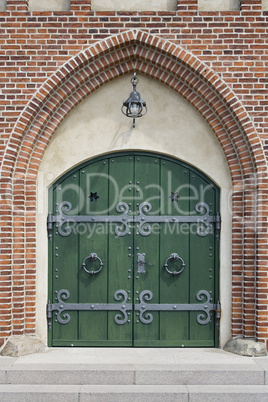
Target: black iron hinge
[(218, 226), (49, 314), (217, 309), (50, 220)]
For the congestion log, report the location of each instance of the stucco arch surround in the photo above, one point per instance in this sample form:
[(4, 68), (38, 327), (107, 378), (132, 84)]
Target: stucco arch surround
[(172, 66)]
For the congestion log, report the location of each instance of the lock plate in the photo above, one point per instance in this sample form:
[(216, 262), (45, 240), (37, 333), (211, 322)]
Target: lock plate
[(141, 263)]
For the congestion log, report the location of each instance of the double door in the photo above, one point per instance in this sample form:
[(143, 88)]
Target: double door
[(133, 252)]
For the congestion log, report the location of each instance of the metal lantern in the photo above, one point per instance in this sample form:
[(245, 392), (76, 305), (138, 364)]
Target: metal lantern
[(134, 106)]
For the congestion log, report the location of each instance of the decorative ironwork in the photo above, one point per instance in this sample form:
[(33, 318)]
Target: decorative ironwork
[(203, 219), (174, 257), (92, 257), (143, 307), (174, 197), (93, 197), (64, 318), (206, 307)]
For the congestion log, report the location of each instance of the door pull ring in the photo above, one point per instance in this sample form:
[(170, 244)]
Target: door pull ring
[(174, 257), (92, 257)]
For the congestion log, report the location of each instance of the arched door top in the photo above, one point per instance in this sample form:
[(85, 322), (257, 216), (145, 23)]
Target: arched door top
[(134, 245)]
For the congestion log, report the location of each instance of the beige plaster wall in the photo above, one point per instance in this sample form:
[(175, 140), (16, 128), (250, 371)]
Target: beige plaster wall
[(3, 5), (49, 5), (265, 5), (218, 5), (137, 5), (97, 126)]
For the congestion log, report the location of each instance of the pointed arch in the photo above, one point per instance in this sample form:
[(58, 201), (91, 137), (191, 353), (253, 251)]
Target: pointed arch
[(174, 67)]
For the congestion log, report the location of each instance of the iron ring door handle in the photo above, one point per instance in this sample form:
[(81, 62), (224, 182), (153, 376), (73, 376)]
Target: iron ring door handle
[(174, 257), (92, 257)]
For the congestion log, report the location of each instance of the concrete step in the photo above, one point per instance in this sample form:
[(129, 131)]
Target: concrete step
[(94, 374), (133, 393)]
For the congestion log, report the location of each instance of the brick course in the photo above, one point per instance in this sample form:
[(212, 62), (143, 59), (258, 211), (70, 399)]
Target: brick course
[(217, 61)]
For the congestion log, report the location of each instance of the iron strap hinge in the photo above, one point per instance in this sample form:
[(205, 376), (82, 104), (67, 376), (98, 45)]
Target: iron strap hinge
[(49, 314), (123, 308), (217, 309), (203, 219), (217, 220)]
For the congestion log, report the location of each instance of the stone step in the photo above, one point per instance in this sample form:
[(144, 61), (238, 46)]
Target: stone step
[(133, 393), (133, 374)]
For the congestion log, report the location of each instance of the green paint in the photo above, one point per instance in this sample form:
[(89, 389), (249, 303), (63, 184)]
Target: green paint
[(133, 178)]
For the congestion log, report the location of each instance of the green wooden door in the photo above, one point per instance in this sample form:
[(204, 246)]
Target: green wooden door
[(133, 254)]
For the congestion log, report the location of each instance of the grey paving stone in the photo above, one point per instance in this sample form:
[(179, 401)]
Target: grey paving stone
[(229, 374), (134, 393), (39, 393), (232, 393), (263, 363), (30, 374)]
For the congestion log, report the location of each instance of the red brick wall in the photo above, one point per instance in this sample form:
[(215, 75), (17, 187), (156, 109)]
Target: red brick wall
[(50, 61)]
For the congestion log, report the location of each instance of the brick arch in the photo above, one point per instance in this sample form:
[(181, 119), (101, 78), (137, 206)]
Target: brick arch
[(84, 74)]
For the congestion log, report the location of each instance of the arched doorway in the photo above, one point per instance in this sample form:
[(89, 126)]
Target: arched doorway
[(134, 254)]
